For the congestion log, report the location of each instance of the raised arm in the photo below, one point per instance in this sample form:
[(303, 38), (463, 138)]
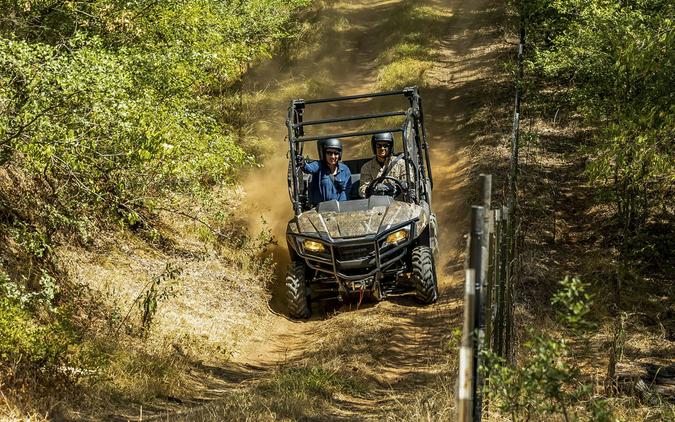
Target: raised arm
[(311, 167)]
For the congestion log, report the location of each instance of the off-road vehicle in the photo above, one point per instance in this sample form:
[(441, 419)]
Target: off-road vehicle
[(378, 245)]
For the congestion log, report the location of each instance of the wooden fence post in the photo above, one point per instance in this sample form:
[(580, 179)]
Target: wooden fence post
[(476, 264), (503, 279), (465, 379), (486, 261)]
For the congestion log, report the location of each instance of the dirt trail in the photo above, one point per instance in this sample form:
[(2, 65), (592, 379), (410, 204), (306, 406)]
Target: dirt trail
[(465, 57), (399, 341)]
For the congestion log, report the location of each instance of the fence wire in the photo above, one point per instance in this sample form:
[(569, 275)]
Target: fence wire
[(490, 276)]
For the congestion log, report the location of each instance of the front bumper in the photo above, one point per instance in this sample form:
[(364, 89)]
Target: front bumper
[(355, 259)]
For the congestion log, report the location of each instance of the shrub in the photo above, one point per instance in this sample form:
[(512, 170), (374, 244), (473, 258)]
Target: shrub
[(27, 343), (115, 104), (613, 61), (547, 383)]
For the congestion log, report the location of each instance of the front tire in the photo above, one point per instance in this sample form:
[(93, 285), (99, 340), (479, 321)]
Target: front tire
[(297, 295), (424, 275)]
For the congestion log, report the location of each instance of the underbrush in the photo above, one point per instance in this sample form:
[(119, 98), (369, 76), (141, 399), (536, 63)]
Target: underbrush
[(595, 202), (138, 314), (117, 314), (624, 358)]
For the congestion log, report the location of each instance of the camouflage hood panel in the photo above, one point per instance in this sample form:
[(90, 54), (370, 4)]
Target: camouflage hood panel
[(358, 223)]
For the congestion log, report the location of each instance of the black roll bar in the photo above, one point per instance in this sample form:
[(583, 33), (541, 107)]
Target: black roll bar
[(424, 141), (406, 158), (346, 135), (350, 118), (292, 115), (355, 97)]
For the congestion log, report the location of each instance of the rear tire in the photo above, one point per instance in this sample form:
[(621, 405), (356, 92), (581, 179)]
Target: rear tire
[(297, 294), (424, 275)]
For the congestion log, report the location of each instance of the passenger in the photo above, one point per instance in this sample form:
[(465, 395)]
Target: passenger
[(331, 178), (384, 163)]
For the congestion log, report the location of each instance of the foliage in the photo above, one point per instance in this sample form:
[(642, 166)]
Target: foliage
[(28, 343), (546, 383), (614, 63), (575, 303), (113, 104), (17, 292), (106, 107), (160, 288)]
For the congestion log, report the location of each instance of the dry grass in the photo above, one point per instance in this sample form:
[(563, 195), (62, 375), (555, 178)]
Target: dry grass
[(402, 73), (355, 367), (10, 412), (219, 297)]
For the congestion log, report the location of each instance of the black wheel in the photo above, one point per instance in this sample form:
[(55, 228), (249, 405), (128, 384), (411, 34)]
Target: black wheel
[(297, 294), (424, 275)]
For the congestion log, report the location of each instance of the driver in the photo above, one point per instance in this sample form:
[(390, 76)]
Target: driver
[(385, 163), (331, 178)]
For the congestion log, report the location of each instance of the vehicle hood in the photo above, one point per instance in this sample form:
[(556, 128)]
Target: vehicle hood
[(357, 218)]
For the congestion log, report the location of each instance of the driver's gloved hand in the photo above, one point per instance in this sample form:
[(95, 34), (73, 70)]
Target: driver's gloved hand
[(404, 185), (299, 161), (381, 189)]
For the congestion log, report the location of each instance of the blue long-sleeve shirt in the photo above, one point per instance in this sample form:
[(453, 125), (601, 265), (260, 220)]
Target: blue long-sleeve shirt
[(322, 187)]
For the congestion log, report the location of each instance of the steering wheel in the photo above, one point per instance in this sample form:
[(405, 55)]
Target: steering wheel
[(398, 186)]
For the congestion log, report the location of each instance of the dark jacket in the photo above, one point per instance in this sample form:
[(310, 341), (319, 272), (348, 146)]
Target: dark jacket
[(326, 188)]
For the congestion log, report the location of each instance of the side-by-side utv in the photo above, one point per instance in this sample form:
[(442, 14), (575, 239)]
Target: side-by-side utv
[(372, 246)]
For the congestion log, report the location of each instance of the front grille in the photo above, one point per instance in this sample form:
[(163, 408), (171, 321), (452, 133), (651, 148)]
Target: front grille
[(348, 253)]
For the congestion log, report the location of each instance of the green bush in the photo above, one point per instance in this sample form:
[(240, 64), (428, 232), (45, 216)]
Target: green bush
[(26, 342), (108, 109), (613, 63), (574, 303), (546, 382), (114, 104)]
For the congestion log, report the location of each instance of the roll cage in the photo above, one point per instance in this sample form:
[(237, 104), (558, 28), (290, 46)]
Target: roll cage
[(415, 146)]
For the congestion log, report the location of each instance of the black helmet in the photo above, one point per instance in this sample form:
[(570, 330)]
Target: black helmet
[(323, 144), (382, 137)]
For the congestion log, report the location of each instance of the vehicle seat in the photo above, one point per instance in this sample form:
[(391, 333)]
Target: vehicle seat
[(354, 192), (355, 168)]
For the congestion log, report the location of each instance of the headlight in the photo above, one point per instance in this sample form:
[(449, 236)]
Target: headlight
[(313, 246), (397, 236)]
